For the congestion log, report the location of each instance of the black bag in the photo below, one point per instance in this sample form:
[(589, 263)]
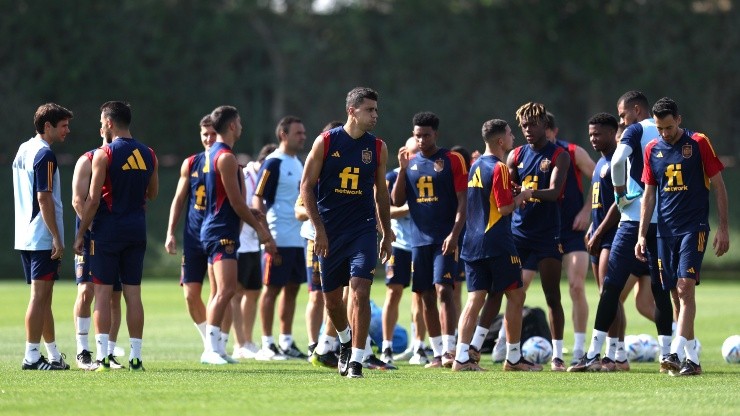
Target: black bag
[(534, 323)]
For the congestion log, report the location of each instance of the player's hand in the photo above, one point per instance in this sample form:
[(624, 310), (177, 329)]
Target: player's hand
[(57, 249), (403, 157), (449, 245), (516, 189), (641, 249), (79, 244), (321, 243), (170, 244), (270, 246), (721, 242), (582, 221), (385, 249), (623, 200), (593, 244)]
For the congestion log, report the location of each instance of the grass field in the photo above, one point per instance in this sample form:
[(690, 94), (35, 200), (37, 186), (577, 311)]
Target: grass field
[(175, 383)]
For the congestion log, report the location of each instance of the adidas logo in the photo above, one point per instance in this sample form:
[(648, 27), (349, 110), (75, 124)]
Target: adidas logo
[(194, 174), (660, 154), (336, 154), (691, 270), (447, 276), (414, 167), (514, 349), (521, 166), (134, 162), (34, 349)]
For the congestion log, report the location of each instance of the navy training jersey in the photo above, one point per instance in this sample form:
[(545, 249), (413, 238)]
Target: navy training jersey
[(681, 174), (572, 202), (537, 221), (220, 222), (602, 193), (121, 215), (488, 233), (432, 184), (346, 182), (196, 201)]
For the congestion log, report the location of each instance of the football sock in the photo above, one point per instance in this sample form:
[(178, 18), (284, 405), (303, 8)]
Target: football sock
[(51, 348), (83, 329), (344, 335), (135, 348), (461, 353), (201, 327), (418, 344), (222, 340), (501, 334), (368, 347), (479, 337), (437, 346), (579, 341), (214, 335), (387, 344), (32, 352), (514, 352), (597, 341), (448, 343), (621, 352), (678, 345), (357, 354), (557, 348), (111, 346), (691, 353), (101, 341), (285, 341), (325, 344), (611, 347), (665, 344), (267, 340)]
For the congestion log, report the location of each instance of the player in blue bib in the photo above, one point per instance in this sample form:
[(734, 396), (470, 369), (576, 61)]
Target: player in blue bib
[(680, 168), (348, 165)]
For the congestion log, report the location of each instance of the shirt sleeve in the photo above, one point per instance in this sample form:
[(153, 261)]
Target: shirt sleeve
[(459, 171), (501, 189), (648, 177), (267, 181), (44, 167), (712, 164)]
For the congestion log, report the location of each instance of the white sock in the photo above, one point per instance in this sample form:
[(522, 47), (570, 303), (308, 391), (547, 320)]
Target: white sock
[(479, 337), (357, 354), (83, 329), (32, 353), (674, 325), (448, 343), (461, 352), (344, 335), (201, 327), (557, 348), (387, 344), (324, 345), (437, 346), (501, 334), (621, 352), (285, 341), (665, 344), (514, 352), (267, 340), (101, 342), (579, 340), (691, 353), (611, 347), (135, 348), (111, 346), (678, 345), (597, 341), (214, 336), (51, 348), (222, 340), (368, 347)]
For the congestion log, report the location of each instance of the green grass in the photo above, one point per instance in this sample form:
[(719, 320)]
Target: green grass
[(176, 384)]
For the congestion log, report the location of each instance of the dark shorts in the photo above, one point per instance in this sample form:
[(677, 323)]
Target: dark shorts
[(82, 268), (350, 255), (194, 265), (398, 268), (430, 267), (622, 260), (313, 274), (494, 274), (38, 265), (572, 241), (249, 270), (114, 260), (680, 257), (531, 254), (287, 266), (218, 250), (606, 243)]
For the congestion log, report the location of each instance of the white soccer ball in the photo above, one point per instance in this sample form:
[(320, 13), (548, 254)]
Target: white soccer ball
[(650, 348), (634, 348), (731, 349), (537, 350)]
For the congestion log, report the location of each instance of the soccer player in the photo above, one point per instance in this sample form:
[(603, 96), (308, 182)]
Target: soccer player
[(124, 176), (627, 166), (225, 207), (249, 268), (283, 272), (348, 165), (680, 168), (492, 266), (85, 287), (574, 220), (541, 166), (39, 232), (191, 189), (460, 276), (433, 183)]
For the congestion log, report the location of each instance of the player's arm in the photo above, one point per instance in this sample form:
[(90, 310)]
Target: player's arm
[(399, 212), (300, 210), (502, 191), (81, 183), (311, 172), (266, 184), (99, 172), (152, 189), (460, 178), (181, 194), (398, 195), (610, 221), (646, 214), (557, 180), (382, 203), (229, 169), (513, 171), (619, 167), (585, 165), (721, 242)]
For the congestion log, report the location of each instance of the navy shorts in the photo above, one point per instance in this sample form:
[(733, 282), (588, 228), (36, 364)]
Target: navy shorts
[(287, 266), (249, 270), (313, 274), (38, 265), (223, 249), (194, 265), (680, 257), (622, 260), (494, 274), (430, 267), (350, 255), (531, 255), (398, 268), (114, 260), (82, 267), (572, 241)]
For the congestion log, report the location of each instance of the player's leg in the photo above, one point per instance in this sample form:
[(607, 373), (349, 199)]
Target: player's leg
[(480, 283), (644, 302), (423, 285), (250, 279), (223, 272), (131, 269), (83, 319), (549, 269), (575, 264), (397, 278), (445, 269), (115, 324), (513, 321), (42, 286), (294, 260), (360, 295), (237, 319)]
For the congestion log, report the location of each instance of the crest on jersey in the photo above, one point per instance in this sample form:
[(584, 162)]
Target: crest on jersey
[(545, 165), (79, 270), (604, 170), (439, 165), (367, 156), (229, 249), (686, 151)]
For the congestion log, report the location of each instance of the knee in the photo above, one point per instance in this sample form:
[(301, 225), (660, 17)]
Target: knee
[(445, 293)]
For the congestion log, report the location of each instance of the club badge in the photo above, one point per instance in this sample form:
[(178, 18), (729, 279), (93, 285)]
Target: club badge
[(687, 151), (367, 156), (439, 165), (545, 165)]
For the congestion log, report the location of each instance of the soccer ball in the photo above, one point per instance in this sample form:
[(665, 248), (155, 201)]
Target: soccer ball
[(537, 350), (650, 348), (731, 349), (634, 348)]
